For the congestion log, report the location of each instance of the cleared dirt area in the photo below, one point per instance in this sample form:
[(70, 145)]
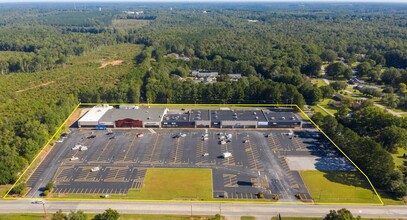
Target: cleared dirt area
[(113, 63), (75, 116)]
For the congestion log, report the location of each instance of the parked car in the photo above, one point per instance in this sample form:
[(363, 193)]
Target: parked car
[(94, 169), (74, 158), (77, 147), (139, 135), (38, 202)]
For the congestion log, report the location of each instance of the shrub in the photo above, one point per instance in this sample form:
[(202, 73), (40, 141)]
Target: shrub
[(19, 189), (49, 186)]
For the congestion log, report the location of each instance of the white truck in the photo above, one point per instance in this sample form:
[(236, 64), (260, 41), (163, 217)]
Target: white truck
[(226, 155), (74, 158), (77, 147), (94, 169)]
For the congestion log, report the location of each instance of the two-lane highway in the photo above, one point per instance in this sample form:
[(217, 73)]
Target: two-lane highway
[(184, 208)]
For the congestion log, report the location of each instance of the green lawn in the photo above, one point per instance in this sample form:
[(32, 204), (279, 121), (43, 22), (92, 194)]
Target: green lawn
[(162, 217), (247, 218), (318, 82), (3, 190), (398, 110), (352, 90), (22, 216), (398, 157), (296, 218), (338, 187), (325, 104), (320, 110), (35, 216), (310, 218), (180, 183)]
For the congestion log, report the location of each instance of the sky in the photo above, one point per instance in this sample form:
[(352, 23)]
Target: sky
[(383, 1)]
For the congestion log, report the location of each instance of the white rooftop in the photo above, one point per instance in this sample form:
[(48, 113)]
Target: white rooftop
[(95, 113)]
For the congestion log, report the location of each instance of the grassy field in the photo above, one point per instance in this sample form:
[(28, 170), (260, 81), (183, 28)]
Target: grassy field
[(247, 218), (320, 110), (398, 157), (325, 104), (180, 184), (338, 187), (351, 89), (319, 82), (296, 218), (3, 190), (308, 218), (35, 216)]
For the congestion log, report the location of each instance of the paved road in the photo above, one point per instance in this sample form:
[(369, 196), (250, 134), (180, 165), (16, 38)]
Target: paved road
[(231, 211)]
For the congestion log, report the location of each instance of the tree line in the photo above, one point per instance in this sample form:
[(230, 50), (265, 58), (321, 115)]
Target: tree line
[(368, 138)]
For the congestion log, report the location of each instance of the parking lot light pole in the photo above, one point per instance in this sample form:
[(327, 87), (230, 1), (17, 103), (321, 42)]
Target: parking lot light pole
[(45, 212), (191, 210)]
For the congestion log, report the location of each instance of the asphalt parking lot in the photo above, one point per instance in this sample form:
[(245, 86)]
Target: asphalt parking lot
[(258, 161)]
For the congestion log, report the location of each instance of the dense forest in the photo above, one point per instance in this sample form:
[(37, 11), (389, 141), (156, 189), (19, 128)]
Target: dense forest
[(276, 49)]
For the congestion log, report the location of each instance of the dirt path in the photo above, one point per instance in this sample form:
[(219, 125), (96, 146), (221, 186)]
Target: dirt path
[(33, 87), (113, 63), (75, 116)]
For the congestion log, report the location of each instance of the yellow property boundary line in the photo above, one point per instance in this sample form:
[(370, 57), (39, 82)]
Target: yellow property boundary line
[(42, 149), (222, 201)]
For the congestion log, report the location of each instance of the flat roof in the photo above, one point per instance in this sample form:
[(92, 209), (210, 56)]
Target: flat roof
[(142, 114), (94, 114), (281, 116), (199, 114), (237, 115), (174, 117)]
